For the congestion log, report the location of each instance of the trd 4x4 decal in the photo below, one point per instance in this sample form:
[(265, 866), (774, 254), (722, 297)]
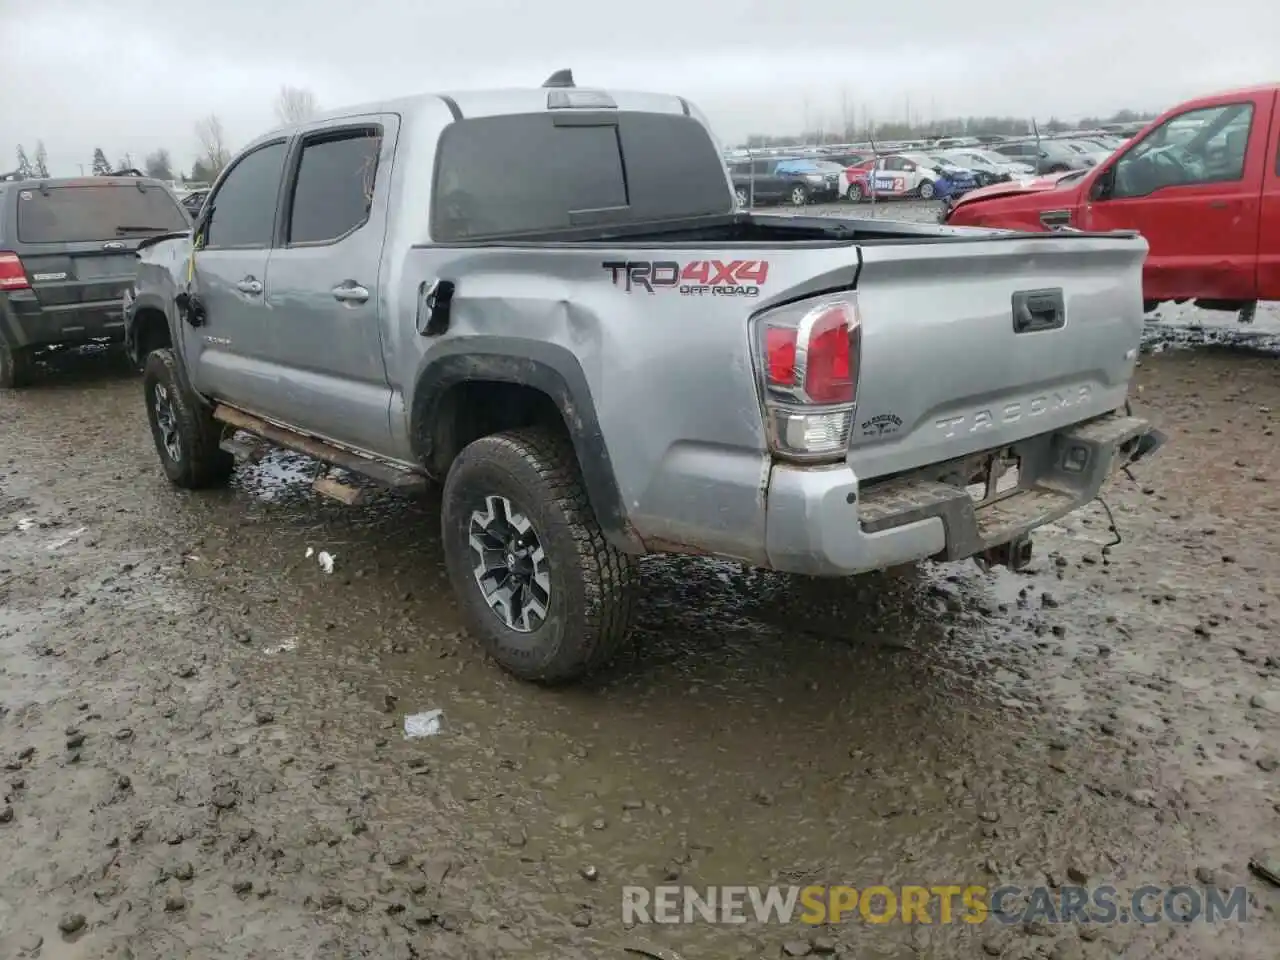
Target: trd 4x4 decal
[(717, 278)]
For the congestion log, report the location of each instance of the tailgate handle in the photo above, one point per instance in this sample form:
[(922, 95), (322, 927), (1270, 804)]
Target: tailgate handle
[(1038, 310)]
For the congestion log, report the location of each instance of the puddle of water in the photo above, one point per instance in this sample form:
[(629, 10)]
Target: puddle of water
[(277, 476)]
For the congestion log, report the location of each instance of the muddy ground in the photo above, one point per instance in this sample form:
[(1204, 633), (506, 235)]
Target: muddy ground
[(201, 731)]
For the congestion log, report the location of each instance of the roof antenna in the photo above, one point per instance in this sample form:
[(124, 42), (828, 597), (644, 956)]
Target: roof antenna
[(561, 78)]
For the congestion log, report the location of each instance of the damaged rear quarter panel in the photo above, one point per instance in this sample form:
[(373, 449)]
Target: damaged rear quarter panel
[(667, 373), (160, 276)]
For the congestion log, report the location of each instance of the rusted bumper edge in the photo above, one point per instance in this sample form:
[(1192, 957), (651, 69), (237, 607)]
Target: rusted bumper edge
[(823, 522)]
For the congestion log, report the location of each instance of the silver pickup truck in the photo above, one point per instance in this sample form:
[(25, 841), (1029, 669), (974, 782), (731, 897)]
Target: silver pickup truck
[(547, 300)]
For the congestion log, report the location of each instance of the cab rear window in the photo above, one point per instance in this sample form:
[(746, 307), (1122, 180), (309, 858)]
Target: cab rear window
[(533, 173), (96, 212)]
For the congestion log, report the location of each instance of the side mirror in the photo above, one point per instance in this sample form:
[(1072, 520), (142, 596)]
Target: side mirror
[(1104, 180), (199, 221)]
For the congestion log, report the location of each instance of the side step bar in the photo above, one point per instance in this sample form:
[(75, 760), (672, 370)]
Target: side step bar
[(386, 474)]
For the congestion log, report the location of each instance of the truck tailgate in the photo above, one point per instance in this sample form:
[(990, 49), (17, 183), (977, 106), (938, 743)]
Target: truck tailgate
[(972, 344)]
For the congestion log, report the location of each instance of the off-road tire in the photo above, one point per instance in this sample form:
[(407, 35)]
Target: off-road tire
[(591, 603), (15, 367), (201, 462)]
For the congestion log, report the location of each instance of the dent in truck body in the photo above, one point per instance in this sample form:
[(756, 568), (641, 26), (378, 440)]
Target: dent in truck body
[(684, 437), (161, 261)]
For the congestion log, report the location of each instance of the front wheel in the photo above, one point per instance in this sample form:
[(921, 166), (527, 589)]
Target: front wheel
[(799, 196), (15, 367), (855, 193), (927, 190), (549, 597), (185, 433)]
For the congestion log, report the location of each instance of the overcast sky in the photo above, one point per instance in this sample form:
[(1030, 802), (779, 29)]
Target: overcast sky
[(131, 77)]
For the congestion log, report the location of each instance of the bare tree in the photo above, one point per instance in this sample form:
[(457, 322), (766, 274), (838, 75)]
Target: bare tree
[(295, 104), (41, 168), (213, 144), (25, 171)]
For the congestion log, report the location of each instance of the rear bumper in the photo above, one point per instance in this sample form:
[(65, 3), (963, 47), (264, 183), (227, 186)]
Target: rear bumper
[(821, 522), (24, 322)]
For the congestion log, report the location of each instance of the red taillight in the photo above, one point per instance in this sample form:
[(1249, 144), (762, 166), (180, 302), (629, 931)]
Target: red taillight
[(12, 274), (808, 358), (780, 354), (830, 365), (815, 353)]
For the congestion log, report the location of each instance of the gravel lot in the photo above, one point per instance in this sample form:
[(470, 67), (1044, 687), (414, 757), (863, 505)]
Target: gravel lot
[(201, 730)]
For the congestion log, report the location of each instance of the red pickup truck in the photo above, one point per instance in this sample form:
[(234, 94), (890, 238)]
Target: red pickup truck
[(1201, 184)]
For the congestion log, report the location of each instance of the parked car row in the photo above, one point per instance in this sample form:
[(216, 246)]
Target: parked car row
[(988, 159), (1059, 155), (859, 177)]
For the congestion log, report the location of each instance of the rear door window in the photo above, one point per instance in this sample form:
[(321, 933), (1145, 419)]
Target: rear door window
[(528, 173), (333, 191), (89, 213)]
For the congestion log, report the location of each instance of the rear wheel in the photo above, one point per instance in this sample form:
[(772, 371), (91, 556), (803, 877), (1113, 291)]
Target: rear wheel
[(799, 195), (185, 433), (15, 367), (549, 597), (927, 190)]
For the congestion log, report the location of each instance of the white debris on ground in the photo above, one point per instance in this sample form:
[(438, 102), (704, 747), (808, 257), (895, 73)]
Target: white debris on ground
[(423, 724), (26, 523), (324, 558), (63, 541), (284, 646)]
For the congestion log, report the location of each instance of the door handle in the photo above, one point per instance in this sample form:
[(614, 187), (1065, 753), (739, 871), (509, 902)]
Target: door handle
[(1217, 204), (250, 285), (350, 293)]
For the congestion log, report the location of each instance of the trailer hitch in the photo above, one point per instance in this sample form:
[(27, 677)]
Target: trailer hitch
[(1016, 555)]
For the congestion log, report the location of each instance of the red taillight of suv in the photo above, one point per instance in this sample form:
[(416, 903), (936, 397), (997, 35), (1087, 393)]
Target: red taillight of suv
[(808, 355), (12, 274)]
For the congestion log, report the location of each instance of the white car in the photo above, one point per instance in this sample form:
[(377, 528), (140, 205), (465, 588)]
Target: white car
[(986, 160), (904, 175)]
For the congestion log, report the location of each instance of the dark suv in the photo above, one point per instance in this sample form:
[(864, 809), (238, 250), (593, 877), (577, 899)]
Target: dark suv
[(67, 256), (784, 180)]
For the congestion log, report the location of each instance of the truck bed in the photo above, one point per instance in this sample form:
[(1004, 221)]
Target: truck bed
[(748, 228)]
